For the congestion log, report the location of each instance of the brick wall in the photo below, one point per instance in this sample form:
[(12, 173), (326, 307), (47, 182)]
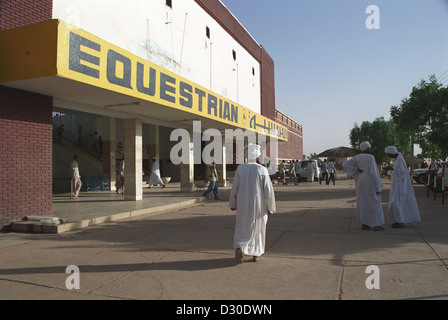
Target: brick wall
[(25, 131), (25, 154), (17, 13)]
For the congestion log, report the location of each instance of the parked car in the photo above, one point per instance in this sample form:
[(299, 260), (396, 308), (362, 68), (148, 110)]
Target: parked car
[(421, 175), (304, 170)]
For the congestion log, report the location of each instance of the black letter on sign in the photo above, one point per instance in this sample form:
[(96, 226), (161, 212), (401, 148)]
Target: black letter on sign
[(165, 87), (186, 92), (151, 88), (76, 55), (112, 58)]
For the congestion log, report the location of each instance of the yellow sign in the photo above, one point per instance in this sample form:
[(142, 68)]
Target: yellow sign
[(86, 58), (89, 59)]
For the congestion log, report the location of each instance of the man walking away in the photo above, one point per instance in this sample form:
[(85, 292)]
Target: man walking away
[(252, 196)]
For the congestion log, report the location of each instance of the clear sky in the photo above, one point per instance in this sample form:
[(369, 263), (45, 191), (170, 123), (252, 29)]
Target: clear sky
[(331, 71)]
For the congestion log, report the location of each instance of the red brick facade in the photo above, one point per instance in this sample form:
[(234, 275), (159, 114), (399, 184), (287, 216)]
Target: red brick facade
[(26, 154), (18, 13), (25, 131)]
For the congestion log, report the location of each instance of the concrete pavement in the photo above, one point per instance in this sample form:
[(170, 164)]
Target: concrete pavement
[(315, 250)]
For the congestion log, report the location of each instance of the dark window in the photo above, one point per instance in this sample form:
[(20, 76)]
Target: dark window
[(234, 55), (207, 32), (253, 71), (169, 3)]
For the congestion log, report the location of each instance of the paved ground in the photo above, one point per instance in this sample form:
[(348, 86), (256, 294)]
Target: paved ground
[(315, 250)]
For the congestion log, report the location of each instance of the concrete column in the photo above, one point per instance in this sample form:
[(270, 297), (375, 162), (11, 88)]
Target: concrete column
[(133, 157), (187, 170), (221, 168), (109, 147)]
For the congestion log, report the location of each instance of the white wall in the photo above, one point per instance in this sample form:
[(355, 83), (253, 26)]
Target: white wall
[(171, 38)]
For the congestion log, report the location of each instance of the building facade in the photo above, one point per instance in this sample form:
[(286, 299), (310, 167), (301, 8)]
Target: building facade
[(130, 73)]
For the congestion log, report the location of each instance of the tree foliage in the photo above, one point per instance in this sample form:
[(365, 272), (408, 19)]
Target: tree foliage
[(424, 117), (380, 133)]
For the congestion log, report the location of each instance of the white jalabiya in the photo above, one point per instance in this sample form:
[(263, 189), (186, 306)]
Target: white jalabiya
[(252, 196), (155, 179), (402, 206), (311, 167), (368, 184)]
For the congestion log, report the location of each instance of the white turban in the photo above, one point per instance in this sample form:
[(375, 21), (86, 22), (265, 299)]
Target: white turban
[(391, 150), (365, 145), (253, 151)]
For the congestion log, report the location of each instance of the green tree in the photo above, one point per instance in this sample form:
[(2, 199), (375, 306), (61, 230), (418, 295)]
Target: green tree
[(380, 133), (423, 117)]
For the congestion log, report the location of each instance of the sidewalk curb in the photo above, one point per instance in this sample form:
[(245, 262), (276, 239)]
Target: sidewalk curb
[(38, 227)]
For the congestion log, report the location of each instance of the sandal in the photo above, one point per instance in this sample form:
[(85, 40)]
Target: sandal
[(239, 256)]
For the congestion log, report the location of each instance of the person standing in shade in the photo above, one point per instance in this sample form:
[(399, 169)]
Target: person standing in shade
[(213, 182), (368, 188), (253, 198), (402, 207), (154, 178), (75, 177)]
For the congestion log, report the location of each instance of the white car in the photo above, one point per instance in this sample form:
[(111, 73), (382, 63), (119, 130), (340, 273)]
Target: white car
[(304, 170), (421, 175)]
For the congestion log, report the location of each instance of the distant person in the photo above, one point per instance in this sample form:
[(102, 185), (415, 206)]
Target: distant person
[(253, 198), (75, 177), (213, 182), (331, 171), (402, 206), (154, 178), (59, 133), (324, 169), (292, 172), (368, 188), (120, 179), (311, 168), (79, 136), (100, 147), (297, 168), (282, 172)]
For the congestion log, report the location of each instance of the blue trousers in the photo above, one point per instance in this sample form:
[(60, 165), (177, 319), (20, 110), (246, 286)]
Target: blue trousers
[(213, 186)]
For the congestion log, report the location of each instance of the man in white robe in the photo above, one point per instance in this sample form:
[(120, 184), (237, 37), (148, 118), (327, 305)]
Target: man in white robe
[(311, 168), (75, 180), (402, 206), (368, 188), (154, 178), (253, 198)]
